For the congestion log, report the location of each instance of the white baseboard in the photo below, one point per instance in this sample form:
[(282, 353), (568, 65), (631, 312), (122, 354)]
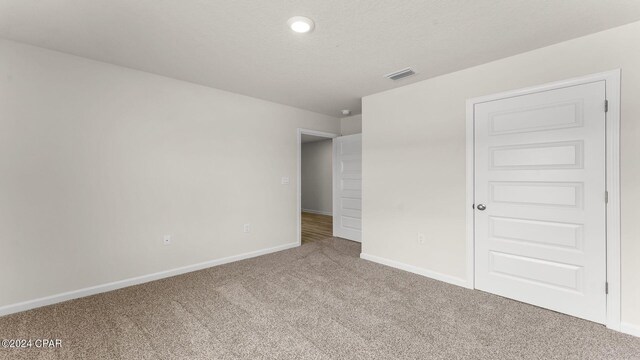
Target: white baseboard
[(416, 270), (75, 294), (630, 329), (626, 328), (328, 213)]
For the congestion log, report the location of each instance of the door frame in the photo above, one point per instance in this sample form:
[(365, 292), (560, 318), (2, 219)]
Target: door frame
[(300, 132), (612, 129)]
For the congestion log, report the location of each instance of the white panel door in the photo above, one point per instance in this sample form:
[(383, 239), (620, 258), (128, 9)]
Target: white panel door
[(347, 187), (540, 199)]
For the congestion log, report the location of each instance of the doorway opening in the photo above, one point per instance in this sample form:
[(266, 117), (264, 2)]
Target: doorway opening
[(315, 185), (336, 179)]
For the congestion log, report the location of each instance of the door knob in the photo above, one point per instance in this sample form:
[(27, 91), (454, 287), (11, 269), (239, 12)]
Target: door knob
[(481, 207)]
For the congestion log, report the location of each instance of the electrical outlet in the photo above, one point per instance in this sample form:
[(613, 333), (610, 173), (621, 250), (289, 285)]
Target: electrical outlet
[(421, 238), (284, 181), (246, 228), (167, 240)]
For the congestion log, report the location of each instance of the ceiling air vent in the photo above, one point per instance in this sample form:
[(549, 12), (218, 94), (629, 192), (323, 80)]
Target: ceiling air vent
[(397, 75)]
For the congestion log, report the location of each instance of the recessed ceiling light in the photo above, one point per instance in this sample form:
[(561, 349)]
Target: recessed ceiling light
[(300, 24), (346, 112)]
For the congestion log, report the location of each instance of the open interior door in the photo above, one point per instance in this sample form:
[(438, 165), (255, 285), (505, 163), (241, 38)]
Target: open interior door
[(347, 187)]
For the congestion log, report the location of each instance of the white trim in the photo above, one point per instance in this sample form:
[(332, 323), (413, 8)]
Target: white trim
[(614, 298), (612, 86), (301, 131), (414, 269), (75, 294), (630, 329), (470, 218), (319, 212)]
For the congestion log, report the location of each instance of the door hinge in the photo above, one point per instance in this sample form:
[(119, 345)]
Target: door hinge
[(606, 288), (606, 106), (473, 206), (606, 197)]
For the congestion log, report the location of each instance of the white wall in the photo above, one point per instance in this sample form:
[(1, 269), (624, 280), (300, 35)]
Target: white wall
[(351, 125), (414, 154), (97, 162), (317, 177)]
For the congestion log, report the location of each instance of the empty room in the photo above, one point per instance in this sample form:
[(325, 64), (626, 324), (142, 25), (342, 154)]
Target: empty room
[(207, 179)]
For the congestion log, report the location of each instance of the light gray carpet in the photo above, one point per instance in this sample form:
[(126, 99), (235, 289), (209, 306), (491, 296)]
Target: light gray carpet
[(319, 301)]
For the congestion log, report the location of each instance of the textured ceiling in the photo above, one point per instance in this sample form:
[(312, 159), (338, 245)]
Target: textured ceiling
[(244, 46)]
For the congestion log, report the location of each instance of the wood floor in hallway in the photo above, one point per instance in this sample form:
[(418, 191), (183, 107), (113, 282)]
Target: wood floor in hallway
[(316, 227)]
